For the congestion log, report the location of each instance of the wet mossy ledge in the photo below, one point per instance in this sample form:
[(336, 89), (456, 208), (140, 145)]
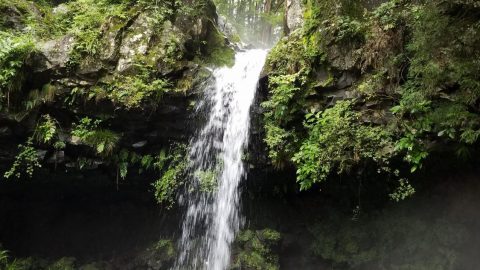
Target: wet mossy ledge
[(103, 84)]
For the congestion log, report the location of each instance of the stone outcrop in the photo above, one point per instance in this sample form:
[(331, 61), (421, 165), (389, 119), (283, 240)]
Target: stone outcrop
[(174, 50), (293, 15)]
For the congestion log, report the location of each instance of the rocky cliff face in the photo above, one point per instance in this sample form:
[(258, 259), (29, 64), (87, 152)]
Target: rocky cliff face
[(137, 68), (362, 84)]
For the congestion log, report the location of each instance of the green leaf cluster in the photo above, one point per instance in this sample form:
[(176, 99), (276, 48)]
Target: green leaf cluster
[(417, 88), (173, 171), (337, 141), (14, 50), (255, 250), (88, 131), (25, 162)]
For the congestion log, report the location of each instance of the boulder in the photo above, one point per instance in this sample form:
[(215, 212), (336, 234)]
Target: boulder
[(53, 55), (136, 41)]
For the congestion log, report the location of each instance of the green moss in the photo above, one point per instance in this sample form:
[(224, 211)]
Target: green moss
[(217, 52)]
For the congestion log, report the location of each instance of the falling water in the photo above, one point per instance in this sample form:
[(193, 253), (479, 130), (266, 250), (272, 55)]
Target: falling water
[(213, 216)]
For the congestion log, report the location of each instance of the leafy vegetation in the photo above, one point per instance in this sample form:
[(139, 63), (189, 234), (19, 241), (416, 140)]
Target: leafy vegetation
[(255, 250), (25, 162), (88, 131), (337, 141), (14, 50), (416, 64), (173, 170)]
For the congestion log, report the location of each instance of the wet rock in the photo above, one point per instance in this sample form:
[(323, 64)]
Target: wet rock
[(112, 31), (53, 55), (135, 42), (139, 144), (71, 165), (74, 82), (198, 28), (345, 80), (57, 158), (5, 131), (229, 31), (343, 57), (41, 154), (168, 50), (12, 18), (193, 79)]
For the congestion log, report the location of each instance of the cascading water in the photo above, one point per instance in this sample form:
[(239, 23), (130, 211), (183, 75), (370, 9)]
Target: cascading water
[(216, 167)]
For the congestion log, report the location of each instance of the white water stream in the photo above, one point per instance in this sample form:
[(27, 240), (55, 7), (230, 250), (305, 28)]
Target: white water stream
[(213, 215)]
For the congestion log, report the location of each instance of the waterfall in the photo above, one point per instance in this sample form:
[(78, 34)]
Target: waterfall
[(216, 168)]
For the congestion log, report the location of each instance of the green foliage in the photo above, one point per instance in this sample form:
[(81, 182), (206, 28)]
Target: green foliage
[(337, 141), (37, 97), (444, 50), (278, 112), (289, 56), (217, 51), (389, 14), (280, 143), (165, 249), (282, 95), (65, 263), (173, 169), (207, 180), (25, 162), (46, 130), (131, 91), (81, 18), (14, 50), (88, 131), (403, 191), (255, 250), (289, 67), (3, 256), (6, 263), (419, 58), (415, 153), (346, 29)]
